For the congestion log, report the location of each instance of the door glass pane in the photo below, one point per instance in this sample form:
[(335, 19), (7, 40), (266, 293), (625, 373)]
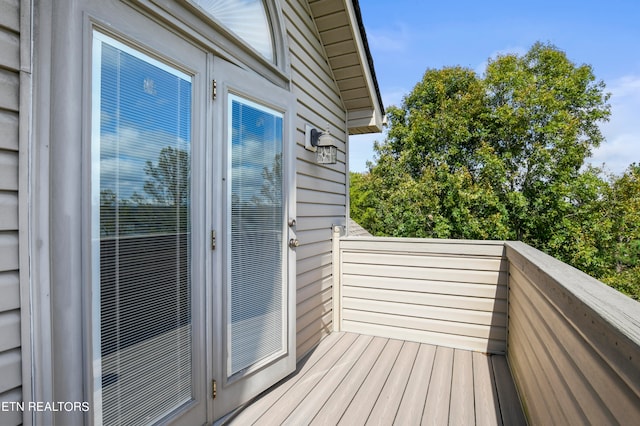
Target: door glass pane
[(141, 149), (256, 292)]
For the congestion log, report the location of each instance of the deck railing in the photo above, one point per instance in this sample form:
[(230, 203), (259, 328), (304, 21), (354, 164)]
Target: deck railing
[(573, 343)]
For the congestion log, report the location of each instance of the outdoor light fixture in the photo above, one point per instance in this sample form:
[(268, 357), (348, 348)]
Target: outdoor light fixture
[(322, 143)]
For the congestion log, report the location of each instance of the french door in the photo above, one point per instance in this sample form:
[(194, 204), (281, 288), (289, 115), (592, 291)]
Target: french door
[(190, 198), (254, 302), (147, 266)]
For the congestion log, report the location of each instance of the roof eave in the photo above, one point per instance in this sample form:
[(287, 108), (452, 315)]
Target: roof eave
[(351, 61)]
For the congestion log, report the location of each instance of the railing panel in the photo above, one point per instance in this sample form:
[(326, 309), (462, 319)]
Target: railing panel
[(443, 292), (573, 343)]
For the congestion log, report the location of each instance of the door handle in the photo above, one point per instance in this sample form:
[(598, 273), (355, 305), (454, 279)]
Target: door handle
[(293, 243)]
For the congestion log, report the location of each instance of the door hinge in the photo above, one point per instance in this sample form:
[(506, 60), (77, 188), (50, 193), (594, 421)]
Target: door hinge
[(214, 389), (213, 239), (214, 89)]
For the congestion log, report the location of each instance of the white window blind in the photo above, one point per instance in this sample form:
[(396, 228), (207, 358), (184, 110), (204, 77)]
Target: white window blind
[(256, 293), (246, 18), (141, 186)]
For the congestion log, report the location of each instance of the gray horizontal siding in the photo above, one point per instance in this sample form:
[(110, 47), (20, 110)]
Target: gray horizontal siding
[(11, 417), (573, 344), (10, 14), (441, 292), (9, 88), (10, 332), (321, 189), (10, 49), (9, 130), (8, 210)]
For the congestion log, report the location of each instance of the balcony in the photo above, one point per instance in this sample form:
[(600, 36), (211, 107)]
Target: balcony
[(463, 332)]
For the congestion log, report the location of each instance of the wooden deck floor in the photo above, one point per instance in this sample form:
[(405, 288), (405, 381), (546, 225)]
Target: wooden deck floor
[(352, 379)]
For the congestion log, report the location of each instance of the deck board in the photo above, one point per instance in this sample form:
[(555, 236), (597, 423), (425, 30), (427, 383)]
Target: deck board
[(259, 407), (410, 412), (462, 406), (436, 409), (337, 404), (282, 408), (314, 401), (388, 402), (353, 379), (358, 411), (484, 387), (507, 394)]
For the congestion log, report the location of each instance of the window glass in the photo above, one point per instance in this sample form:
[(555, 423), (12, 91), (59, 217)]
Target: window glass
[(256, 305), (246, 18)]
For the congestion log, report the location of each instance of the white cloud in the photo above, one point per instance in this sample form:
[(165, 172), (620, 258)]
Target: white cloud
[(252, 156), (124, 156), (622, 132)]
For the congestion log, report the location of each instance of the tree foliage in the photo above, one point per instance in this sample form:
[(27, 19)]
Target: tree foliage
[(166, 200), (168, 182), (271, 191), (623, 207), (503, 157)]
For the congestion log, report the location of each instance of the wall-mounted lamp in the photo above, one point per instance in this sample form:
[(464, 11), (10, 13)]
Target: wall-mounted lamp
[(322, 143)]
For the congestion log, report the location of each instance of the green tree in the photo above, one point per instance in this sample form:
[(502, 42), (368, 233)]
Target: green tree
[(503, 157), (435, 171), (623, 207), (168, 182), (545, 112), (271, 191), (441, 122)]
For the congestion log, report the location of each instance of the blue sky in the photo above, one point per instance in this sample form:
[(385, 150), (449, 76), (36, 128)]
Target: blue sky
[(407, 37)]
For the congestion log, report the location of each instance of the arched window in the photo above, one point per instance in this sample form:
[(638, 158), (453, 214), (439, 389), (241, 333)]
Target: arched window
[(248, 19)]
